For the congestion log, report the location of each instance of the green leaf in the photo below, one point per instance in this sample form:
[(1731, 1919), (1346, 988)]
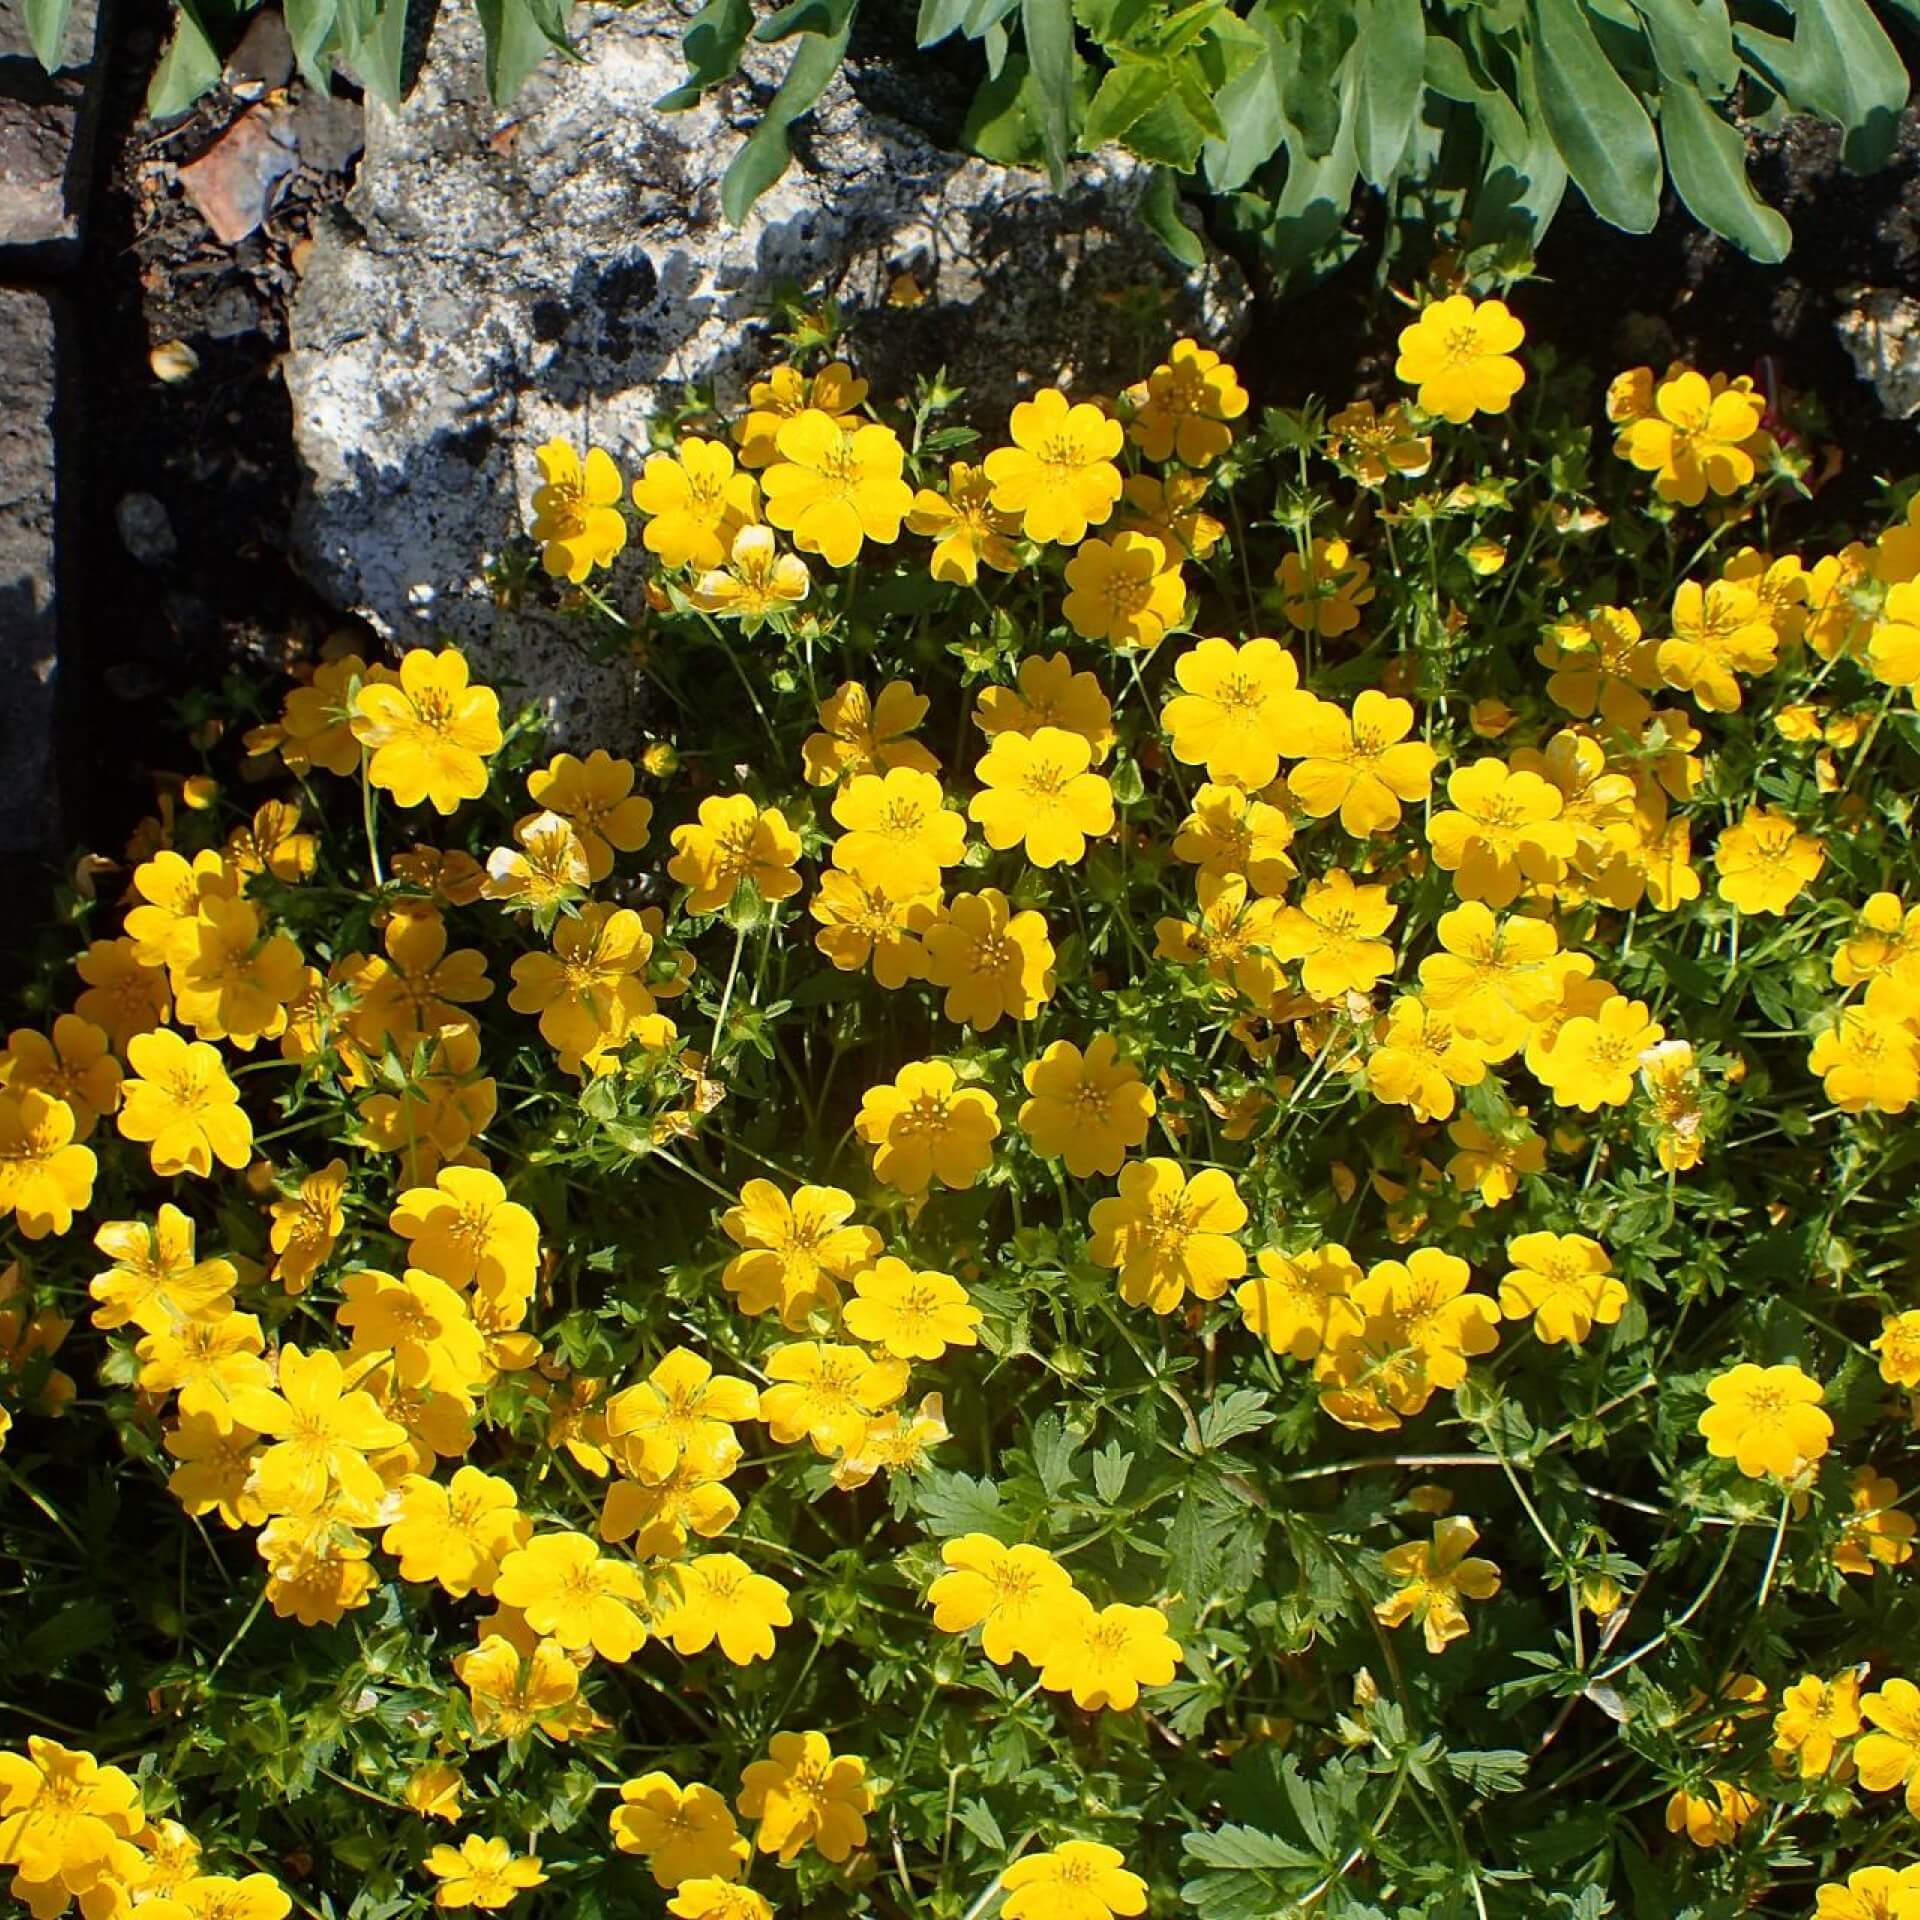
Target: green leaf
[(1692, 40), (1449, 75), (1520, 192), (1249, 1875), (1168, 134), (1111, 1465), (764, 158), (998, 125), (1598, 124), (824, 17), (188, 68), (1310, 89), (1708, 159), (1126, 93), (1160, 209), (1249, 109), (310, 26), (1053, 1448), (938, 18), (1048, 25), (1840, 64), (1240, 1411), (373, 42), (711, 48), (954, 1503), (1392, 77), (519, 35), (47, 30)]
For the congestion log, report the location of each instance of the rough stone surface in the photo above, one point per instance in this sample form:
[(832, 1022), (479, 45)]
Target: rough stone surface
[(502, 278), (1880, 329), (46, 138), (29, 642)]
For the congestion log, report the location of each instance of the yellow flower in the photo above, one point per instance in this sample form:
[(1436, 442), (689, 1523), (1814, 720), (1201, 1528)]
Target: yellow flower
[(1077, 1880), (1324, 591), (1090, 1109), (208, 1363), (1565, 1281), (306, 1226), (1041, 793), (1765, 862), (924, 1125), (694, 504), (1885, 941), (1871, 1893), (712, 1899), (154, 1279), (1229, 833), (1766, 1420), (1169, 509), (862, 735), (1718, 630), (1059, 475), (1815, 1715), (897, 829), (1302, 1302), (734, 840), (1593, 1057), (683, 1833), (721, 1598), (124, 994), (1504, 829), (1182, 407), (456, 1534), (1456, 354), (1335, 933), (784, 395), (66, 1822), (319, 1428), (1893, 647), (1234, 936), (1695, 440), (1712, 1819), (758, 581), (863, 921), (1438, 1576), (433, 1791), (965, 526), (45, 1179), (482, 1873), (512, 1688), (591, 993), (73, 1067), (1104, 1656), (422, 1322), (1237, 705), (825, 1393), (595, 797), (164, 927), (1491, 1166), (1373, 447), (1495, 976), (835, 488), (181, 1106), (1048, 694), (1420, 1329), (797, 1254), (1889, 1756), (909, 1314), (571, 1593), (547, 870), (991, 960), (1868, 1056), (1361, 768), (314, 728), (1125, 591), (416, 990), (802, 1793), (231, 981), (1421, 1056), (431, 734), (1877, 1531), (898, 1442), (680, 1411), (575, 518), (1013, 1594), (1170, 1235), (464, 1230), (1601, 664)]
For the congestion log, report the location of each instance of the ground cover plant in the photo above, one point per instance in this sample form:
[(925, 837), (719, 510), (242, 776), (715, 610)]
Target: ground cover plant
[(1197, 1193)]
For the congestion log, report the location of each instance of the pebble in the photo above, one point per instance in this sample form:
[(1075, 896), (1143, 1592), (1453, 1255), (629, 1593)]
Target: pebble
[(145, 530)]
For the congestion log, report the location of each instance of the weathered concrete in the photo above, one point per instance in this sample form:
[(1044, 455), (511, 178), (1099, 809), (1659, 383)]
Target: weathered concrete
[(47, 124)]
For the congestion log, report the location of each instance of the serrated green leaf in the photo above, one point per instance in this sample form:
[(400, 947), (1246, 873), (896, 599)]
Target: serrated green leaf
[(1392, 75), (1598, 124), (763, 159), (1708, 159), (956, 1503)]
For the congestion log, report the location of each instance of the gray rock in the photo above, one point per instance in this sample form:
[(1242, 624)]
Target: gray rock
[(1880, 330), (47, 124), (29, 569), (263, 58), (145, 529), (559, 268)]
